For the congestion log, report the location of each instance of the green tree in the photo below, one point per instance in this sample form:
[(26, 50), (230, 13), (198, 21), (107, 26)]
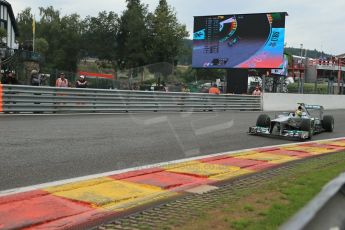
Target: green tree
[(167, 34), (70, 41), (133, 36), (64, 36), (41, 46), (24, 23), (310, 53), (185, 53), (210, 74), (49, 28), (99, 36)]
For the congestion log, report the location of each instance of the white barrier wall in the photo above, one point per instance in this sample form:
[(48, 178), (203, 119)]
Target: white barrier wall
[(284, 101)]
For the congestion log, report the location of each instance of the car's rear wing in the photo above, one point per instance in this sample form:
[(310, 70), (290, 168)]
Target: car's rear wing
[(316, 107)]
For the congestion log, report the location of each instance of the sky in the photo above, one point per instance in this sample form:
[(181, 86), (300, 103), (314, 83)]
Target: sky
[(317, 24)]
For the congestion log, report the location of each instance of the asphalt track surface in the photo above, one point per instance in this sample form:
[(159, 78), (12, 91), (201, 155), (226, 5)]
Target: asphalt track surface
[(37, 149)]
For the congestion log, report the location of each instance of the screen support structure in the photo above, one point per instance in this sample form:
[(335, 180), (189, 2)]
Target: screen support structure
[(237, 81)]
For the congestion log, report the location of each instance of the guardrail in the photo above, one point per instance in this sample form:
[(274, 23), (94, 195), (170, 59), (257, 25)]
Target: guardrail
[(325, 211), (31, 99)]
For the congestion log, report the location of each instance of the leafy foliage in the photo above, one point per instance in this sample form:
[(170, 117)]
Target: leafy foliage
[(99, 35), (167, 34), (309, 53), (134, 39), (133, 36), (309, 88), (41, 45), (24, 22)]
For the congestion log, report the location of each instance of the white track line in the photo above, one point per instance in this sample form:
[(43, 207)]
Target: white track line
[(94, 176)]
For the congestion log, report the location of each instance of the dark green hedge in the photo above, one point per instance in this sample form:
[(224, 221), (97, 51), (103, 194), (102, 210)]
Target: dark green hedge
[(308, 88)]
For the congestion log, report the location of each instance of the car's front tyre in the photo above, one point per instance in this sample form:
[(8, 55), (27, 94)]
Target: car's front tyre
[(307, 126), (263, 121)]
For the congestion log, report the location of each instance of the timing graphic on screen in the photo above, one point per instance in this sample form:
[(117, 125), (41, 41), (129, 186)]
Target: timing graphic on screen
[(239, 41)]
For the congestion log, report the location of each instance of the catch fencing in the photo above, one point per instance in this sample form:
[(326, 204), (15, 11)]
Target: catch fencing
[(31, 99)]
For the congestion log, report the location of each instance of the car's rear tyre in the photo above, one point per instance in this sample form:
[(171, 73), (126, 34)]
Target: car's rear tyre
[(328, 123), (263, 121)]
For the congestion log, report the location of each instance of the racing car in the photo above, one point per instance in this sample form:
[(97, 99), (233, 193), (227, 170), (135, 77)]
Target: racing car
[(302, 124)]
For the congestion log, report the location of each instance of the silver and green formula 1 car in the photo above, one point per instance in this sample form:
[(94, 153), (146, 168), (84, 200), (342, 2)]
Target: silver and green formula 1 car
[(300, 125)]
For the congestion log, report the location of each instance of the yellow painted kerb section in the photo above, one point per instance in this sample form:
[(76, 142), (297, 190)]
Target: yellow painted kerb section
[(201, 169), (109, 194), (311, 150), (270, 158)]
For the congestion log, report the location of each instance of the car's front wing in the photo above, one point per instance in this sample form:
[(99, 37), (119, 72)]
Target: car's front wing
[(295, 134)]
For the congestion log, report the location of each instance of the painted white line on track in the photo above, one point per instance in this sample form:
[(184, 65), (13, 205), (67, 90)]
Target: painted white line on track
[(157, 165)]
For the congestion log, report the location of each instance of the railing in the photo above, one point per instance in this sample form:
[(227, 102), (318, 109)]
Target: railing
[(325, 211), (30, 99), (319, 64), (29, 55)]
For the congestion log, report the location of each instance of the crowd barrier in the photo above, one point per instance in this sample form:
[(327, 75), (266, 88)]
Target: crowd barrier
[(31, 99)]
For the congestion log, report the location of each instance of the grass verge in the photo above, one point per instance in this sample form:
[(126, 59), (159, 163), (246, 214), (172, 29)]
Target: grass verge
[(269, 204)]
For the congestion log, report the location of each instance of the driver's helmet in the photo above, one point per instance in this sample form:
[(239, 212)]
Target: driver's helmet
[(299, 111)]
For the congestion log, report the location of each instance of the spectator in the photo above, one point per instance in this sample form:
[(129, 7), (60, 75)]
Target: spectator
[(81, 82), (204, 89), (61, 81), (9, 78), (184, 89), (135, 87), (35, 78), (214, 90), (257, 91), (166, 88)]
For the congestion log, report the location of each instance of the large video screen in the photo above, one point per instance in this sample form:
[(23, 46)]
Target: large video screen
[(239, 41)]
